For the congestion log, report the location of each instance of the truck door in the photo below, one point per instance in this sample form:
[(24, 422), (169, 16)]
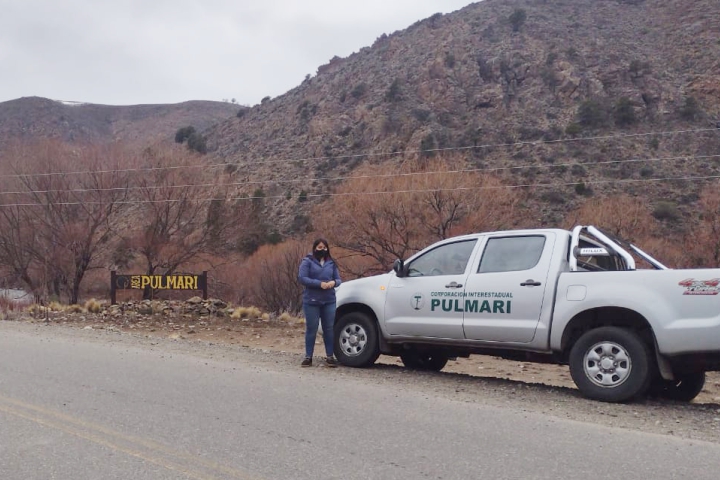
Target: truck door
[(505, 292), (425, 302)]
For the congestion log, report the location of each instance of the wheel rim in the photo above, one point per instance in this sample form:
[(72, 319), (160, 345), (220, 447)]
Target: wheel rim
[(353, 339), (607, 364)]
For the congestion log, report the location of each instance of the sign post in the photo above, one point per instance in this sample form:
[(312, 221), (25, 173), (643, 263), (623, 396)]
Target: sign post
[(157, 282)]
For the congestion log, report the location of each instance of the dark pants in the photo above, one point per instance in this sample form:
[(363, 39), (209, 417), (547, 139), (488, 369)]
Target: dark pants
[(314, 314)]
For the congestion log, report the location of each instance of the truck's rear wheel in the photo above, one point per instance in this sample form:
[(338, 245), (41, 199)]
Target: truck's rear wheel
[(356, 340), (424, 360), (611, 364), (683, 389)]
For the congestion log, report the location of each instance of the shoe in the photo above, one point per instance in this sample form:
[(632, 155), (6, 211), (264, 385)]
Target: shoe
[(331, 362), (307, 362)]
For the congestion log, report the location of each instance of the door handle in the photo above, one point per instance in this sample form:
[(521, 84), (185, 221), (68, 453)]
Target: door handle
[(453, 285), (530, 283)]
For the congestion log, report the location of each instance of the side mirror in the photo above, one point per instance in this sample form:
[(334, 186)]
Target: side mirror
[(399, 268)]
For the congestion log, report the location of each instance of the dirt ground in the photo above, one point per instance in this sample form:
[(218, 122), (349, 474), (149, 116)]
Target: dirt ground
[(288, 336)]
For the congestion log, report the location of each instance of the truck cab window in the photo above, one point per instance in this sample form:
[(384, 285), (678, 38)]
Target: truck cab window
[(448, 259), (511, 254)]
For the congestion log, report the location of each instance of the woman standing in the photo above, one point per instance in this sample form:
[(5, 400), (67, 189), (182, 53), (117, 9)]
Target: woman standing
[(319, 275)]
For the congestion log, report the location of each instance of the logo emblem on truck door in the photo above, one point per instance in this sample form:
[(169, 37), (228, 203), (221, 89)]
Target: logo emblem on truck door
[(417, 301)]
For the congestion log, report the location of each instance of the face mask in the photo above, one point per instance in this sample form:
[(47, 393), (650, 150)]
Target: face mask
[(320, 254)]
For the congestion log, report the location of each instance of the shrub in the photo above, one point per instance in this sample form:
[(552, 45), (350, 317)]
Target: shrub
[(624, 112), (36, 309), (393, 93), (184, 133), (517, 19), (93, 306), (359, 90), (646, 172), (241, 113), (421, 114), (245, 312), (287, 318), (654, 143), (75, 308), (666, 210), (197, 143), (573, 129), (690, 109), (582, 189), (449, 60), (428, 145), (638, 68), (303, 196), (56, 307), (592, 113), (578, 170)]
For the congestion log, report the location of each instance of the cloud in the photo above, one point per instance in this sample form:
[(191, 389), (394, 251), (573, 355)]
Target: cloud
[(131, 51)]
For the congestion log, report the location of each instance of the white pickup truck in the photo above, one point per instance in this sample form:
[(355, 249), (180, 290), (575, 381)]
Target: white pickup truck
[(547, 295)]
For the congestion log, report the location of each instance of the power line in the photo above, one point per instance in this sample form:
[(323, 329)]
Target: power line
[(355, 177), (367, 155), (379, 192)]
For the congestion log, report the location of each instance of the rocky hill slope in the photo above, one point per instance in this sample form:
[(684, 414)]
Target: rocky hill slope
[(30, 118), (504, 83)]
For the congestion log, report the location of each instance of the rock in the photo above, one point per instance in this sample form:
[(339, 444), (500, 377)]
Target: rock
[(194, 300)]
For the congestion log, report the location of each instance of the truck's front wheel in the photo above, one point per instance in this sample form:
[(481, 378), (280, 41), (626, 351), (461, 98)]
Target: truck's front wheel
[(356, 340), (611, 364)]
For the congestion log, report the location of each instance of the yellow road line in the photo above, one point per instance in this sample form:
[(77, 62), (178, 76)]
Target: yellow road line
[(77, 424)]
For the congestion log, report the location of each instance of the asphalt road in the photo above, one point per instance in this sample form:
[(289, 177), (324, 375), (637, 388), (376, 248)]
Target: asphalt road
[(92, 408)]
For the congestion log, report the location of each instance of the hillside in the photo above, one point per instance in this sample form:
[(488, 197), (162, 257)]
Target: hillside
[(539, 75), (31, 118)]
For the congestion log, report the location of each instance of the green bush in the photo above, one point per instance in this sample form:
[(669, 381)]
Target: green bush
[(303, 196), (197, 143), (690, 109), (449, 60), (624, 112), (393, 93), (427, 145), (592, 113), (359, 90), (666, 210), (184, 133), (517, 19), (578, 170), (573, 129)]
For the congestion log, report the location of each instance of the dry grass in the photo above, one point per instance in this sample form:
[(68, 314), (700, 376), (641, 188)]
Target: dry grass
[(36, 309), (75, 308), (93, 306), (56, 307), (247, 312)]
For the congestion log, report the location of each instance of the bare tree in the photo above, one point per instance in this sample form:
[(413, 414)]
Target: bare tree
[(73, 194), (272, 276), (380, 218), (180, 212)]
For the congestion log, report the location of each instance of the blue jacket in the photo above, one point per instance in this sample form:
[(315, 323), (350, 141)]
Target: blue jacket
[(312, 274)]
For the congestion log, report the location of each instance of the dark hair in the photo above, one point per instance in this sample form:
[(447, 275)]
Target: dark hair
[(318, 242)]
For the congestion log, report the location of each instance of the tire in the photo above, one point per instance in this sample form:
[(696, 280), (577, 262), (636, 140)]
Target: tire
[(611, 364), (427, 360), (683, 389), (356, 340)]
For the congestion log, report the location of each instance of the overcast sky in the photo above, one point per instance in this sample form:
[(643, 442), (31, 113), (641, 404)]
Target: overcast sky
[(123, 52)]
